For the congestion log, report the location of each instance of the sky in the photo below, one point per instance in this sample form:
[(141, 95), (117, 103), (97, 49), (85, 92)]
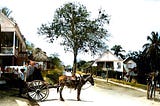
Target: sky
[(130, 24)]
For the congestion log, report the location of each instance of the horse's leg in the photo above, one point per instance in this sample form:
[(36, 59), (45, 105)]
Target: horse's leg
[(60, 92), (78, 93)]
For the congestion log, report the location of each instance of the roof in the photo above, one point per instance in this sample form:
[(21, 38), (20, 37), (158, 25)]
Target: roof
[(129, 60), (108, 56), (6, 23), (9, 26)]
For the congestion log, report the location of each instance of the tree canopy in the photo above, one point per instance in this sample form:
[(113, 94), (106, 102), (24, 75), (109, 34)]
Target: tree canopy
[(55, 62), (152, 51), (118, 51), (72, 23), (7, 12)]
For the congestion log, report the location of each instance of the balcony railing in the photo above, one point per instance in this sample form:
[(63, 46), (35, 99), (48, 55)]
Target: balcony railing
[(6, 50)]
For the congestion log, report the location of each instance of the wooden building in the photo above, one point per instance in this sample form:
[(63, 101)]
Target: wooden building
[(12, 43), (108, 62), (130, 69)]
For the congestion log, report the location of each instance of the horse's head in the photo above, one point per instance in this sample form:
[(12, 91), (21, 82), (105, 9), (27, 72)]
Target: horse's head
[(89, 78)]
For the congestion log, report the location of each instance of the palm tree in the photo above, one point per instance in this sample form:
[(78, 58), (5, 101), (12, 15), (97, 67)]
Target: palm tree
[(7, 12), (152, 50), (118, 50)]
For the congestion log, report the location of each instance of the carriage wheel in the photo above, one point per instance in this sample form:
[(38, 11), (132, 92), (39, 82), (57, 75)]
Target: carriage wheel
[(150, 90), (38, 90)]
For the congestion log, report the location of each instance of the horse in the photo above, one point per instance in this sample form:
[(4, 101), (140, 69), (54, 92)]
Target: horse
[(76, 83), (153, 82)]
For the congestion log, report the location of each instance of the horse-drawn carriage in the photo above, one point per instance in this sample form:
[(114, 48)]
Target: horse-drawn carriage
[(39, 89), (34, 89), (153, 85)]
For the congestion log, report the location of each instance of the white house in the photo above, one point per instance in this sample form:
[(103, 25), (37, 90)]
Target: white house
[(129, 66), (110, 62), (130, 69)]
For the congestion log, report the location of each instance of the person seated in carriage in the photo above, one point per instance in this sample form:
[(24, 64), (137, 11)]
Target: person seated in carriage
[(28, 73), (33, 72)]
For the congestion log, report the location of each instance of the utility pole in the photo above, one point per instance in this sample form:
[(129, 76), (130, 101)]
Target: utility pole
[(0, 38), (105, 68), (107, 74)]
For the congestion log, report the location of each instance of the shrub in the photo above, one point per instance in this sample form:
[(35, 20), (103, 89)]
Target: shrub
[(53, 75)]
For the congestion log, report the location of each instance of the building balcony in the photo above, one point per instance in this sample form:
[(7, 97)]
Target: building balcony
[(6, 51)]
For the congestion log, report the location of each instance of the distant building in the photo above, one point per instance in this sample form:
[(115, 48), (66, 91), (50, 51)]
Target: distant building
[(130, 68), (110, 62), (12, 43)]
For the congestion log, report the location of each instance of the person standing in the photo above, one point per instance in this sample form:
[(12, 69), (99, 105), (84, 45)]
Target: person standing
[(30, 71), (34, 72), (37, 75), (26, 71), (21, 82)]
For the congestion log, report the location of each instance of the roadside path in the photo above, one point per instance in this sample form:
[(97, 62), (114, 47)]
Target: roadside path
[(119, 84)]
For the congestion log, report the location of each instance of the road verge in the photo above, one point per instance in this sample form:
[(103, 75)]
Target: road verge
[(103, 82)]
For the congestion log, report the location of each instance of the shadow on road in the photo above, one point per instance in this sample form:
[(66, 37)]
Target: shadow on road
[(66, 100), (8, 94)]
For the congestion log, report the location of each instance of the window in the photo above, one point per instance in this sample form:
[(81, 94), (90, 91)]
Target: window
[(118, 65), (7, 39)]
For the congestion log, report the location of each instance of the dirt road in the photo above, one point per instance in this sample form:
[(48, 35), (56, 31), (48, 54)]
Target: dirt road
[(111, 95)]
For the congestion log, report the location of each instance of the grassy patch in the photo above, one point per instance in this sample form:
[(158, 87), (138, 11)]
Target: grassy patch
[(133, 84)]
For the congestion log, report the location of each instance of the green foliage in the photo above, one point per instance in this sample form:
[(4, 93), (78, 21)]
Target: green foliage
[(81, 64), (152, 51), (30, 46), (106, 84), (53, 75), (94, 70), (118, 51), (6, 11), (80, 34), (142, 86), (55, 62), (147, 60)]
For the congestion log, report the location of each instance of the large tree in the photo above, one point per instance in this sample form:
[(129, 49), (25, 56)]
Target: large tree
[(79, 33), (152, 51)]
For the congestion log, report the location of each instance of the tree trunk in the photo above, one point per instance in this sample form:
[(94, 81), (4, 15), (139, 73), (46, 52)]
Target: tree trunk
[(74, 63), (0, 38)]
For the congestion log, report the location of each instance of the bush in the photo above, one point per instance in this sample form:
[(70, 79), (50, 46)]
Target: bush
[(53, 75)]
